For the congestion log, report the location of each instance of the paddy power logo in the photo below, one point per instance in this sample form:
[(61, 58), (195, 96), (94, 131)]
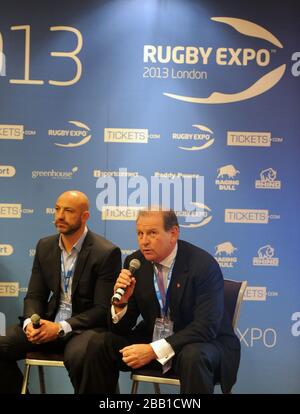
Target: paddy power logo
[(223, 56)]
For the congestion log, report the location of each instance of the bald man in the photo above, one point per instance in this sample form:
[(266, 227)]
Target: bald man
[(70, 289)]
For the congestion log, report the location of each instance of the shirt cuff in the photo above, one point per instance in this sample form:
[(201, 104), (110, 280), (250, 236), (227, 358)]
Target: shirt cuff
[(163, 351), (116, 317), (25, 323), (66, 326)]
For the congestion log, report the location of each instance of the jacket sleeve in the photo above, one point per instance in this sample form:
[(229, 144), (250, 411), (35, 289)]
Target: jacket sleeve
[(206, 301), (106, 274)]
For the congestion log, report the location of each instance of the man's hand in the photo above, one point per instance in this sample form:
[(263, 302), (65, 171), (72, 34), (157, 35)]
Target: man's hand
[(137, 355), (46, 333), (125, 281)]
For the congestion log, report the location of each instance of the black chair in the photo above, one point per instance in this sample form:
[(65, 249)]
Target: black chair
[(233, 297)]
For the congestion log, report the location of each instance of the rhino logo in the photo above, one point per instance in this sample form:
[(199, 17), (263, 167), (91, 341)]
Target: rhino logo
[(226, 247), (266, 251), (228, 170), (268, 175)]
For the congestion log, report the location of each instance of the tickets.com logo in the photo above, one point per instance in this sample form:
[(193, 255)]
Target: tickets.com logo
[(13, 211)]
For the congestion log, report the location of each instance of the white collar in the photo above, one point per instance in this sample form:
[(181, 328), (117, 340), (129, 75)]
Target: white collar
[(77, 246), (167, 262)]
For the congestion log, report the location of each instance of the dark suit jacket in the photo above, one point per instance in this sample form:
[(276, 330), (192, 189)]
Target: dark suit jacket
[(97, 267), (196, 307)]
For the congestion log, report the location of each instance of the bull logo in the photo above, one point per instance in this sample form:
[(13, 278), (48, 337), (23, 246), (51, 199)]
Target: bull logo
[(268, 175), (266, 251), (226, 247), (228, 170)]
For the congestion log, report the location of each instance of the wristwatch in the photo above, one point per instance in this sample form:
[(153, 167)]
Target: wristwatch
[(61, 332)]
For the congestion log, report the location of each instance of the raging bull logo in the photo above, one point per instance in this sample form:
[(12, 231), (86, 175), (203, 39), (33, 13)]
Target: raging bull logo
[(224, 254), (225, 178)]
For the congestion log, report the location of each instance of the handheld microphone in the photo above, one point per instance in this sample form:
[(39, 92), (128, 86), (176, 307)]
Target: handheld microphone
[(35, 319), (134, 265)]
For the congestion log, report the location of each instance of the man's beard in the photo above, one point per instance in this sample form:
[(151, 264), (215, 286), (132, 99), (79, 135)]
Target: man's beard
[(70, 229)]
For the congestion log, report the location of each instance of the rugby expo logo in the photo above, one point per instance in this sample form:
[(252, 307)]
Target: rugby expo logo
[(198, 216), (227, 56), (76, 137), (201, 139)]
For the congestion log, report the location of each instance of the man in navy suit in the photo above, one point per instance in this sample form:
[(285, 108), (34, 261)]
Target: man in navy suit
[(70, 289), (178, 291)]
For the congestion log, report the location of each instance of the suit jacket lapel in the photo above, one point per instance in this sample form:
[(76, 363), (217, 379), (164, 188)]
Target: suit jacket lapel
[(178, 280), (57, 268), (149, 287), (81, 261)]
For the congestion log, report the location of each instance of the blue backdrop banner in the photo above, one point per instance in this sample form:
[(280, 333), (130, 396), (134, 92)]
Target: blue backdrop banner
[(190, 103)]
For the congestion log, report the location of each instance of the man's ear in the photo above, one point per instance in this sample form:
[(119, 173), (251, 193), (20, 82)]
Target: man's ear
[(85, 215), (175, 232)]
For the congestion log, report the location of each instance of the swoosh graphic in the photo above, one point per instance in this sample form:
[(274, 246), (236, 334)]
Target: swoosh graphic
[(202, 223), (80, 125), (206, 145), (249, 29), (203, 128), (200, 205), (262, 85), (78, 144)]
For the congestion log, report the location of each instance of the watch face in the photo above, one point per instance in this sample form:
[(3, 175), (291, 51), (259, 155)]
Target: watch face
[(61, 333)]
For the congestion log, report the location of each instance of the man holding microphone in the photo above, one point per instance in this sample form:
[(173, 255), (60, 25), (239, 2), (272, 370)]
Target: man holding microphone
[(178, 290), (68, 296)]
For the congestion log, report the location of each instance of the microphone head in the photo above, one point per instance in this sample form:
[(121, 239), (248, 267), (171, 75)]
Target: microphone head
[(35, 319), (134, 265)]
